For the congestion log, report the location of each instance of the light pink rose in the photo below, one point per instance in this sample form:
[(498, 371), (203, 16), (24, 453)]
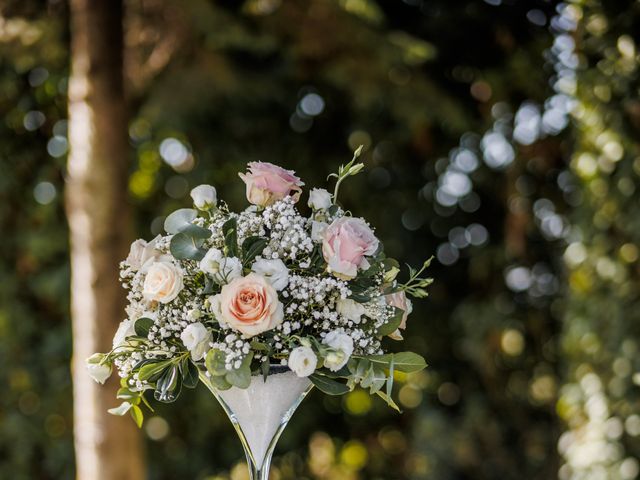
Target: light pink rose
[(268, 183), (399, 300), (345, 244), (250, 305)]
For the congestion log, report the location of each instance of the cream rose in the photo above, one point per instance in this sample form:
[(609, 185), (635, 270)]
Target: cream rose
[(250, 305), (319, 199), (268, 183), (345, 244), (399, 300), (341, 346), (222, 269), (204, 197), (98, 370), (141, 252), (196, 339), (303, 361), (163, 282)]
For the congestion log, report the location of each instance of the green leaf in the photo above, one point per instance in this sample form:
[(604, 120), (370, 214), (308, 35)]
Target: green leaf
[(220, 383), (389, 400), (241, 377), (251, 248), (215, 362), (151, 371), (407, 362), (126, 394), (179, 220), (196, 231), (121, 410), (142, 326), (184, 246), (137, 415), (230, 232), (377, 380), (392, 324), (259, 346), (189, 373), (327, 385), (390, 378), (169, 385)]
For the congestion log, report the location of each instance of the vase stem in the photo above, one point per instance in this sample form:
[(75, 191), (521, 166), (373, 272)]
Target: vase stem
[(261, 412)]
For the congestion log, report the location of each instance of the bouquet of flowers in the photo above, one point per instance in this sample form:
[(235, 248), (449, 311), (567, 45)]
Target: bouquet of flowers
[(224, 296)]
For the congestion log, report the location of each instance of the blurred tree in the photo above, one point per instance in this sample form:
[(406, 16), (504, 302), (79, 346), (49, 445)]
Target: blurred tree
[(107, 448)]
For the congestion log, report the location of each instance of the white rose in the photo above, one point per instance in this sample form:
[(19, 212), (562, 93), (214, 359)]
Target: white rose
[(163, 282), (141, 252), (303, 361), (342, 345), (215, 306), (222, 269), (317, 230), (125, 329), (350, 309), (204, 197), (273, 270), (319, 199), (98, 371), (196, 339)]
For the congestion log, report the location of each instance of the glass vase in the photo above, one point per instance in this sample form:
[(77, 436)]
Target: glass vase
[(261, 412)]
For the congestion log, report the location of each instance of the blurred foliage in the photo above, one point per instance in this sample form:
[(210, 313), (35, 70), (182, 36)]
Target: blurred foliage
[(600, 401), (462, 108)]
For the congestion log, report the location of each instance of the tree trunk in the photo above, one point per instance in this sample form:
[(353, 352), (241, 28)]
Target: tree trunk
[(107, 447)]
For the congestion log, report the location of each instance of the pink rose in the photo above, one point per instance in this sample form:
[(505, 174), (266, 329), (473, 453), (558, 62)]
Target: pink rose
[(345, 244), (399, 300), (268, 183), (250, 305)]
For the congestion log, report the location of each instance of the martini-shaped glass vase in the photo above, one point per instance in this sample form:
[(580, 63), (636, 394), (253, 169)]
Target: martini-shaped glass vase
[(261, 412)]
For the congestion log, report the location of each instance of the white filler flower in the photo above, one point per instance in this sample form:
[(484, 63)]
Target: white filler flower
[(275, 271), (222, 269), (204, 197), (196, 339), (303, 361), (319, 199), (342, 346), (99, 372)]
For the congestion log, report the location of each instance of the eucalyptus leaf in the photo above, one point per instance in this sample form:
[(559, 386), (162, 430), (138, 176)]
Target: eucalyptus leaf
[(186, 247), (241, 377), (179, 220), (220, 383), (327, 385), (215, 362), (406, 362)]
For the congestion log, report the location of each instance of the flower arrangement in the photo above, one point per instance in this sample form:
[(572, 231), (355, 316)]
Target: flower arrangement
[(224, 296)]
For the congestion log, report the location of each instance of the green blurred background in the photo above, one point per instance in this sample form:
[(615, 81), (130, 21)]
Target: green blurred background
[(501, 136)]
